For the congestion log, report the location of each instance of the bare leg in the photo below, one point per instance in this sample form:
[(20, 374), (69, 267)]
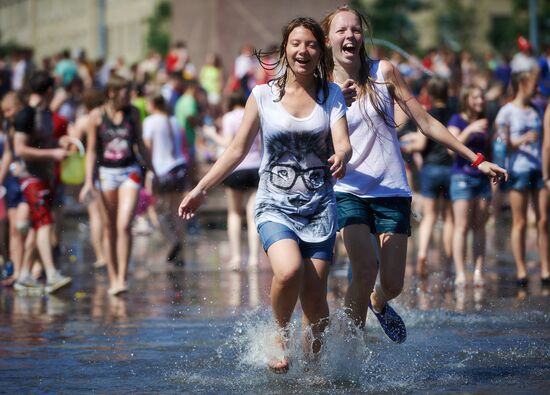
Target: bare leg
[(541, 209), (429, 216), (96, 230), (44, 246), (361, 252), (448, 228), (481, 213), (234, 226), (313, 298), (16, 242), (127, 200), (393, 255), (253, 237), (110, 203), (518, 203), (461, 211), (286, 262)]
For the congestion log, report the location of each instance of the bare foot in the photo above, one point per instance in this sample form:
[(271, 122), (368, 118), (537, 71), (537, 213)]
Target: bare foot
[(280, 365), (234, 264), (99, 263), (8, 282), (421, 267)]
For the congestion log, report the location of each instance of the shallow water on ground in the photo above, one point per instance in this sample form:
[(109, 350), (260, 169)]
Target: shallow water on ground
[(202, 329)]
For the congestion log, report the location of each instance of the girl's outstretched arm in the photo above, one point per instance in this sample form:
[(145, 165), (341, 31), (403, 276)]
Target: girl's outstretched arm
[(230, 158), (431, 127)]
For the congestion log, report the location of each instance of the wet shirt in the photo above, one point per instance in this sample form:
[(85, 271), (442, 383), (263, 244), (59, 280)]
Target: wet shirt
[(376, 168), (518, 121), (295, 187), (115, 142), (477, 142), (37, 124)]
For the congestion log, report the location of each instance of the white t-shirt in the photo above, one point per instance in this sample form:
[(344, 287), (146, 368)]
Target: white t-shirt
[(295, 182), (376, 168), (231, 122), (155, 128), (519, 121)]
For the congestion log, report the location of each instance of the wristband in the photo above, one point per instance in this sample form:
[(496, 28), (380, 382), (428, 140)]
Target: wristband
[(480, 158)]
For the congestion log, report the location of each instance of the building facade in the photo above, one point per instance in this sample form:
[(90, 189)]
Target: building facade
[(103, 28)]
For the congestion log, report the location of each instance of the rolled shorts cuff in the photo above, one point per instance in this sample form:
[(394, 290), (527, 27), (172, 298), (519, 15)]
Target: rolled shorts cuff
[(271, 232)]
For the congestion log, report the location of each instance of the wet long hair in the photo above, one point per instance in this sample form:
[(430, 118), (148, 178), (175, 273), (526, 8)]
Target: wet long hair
[(366, 84), (321, 73)]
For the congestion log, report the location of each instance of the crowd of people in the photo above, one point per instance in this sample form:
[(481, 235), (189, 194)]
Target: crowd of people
[(311, 136)]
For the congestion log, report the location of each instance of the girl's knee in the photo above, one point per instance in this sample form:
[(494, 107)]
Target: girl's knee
[(288, 275), (391, 289)]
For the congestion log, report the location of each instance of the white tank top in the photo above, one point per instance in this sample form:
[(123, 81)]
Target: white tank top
[(376, 168)]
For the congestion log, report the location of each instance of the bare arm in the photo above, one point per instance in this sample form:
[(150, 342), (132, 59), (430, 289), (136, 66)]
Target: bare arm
[(91, 155), (7, 158), (342, 148), (24, 151), (430, 126), (231, 157)]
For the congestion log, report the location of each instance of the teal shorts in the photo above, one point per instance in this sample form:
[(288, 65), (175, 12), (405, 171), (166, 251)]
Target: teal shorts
[(382, 215)]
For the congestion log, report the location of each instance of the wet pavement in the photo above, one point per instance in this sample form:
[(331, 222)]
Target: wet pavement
[(202, 329)]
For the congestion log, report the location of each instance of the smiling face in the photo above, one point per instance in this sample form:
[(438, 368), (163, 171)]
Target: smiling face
[(345, 37), (302, 51), (476, 102)]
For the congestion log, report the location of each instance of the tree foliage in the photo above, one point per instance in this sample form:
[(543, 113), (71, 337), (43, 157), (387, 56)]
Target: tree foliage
[(390, 20), (505, 30), (158, 36), (453, 21)]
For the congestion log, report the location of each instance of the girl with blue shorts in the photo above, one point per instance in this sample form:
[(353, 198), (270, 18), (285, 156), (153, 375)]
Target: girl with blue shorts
[(374, 196), (301, 117)]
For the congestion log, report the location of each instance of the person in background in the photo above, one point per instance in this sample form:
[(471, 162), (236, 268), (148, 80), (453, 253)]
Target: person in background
[(163, 138), (470, 189), (241, 185), (435, 179), (114, 138), (520, 126), (17, 207), (92, 99), (35, 144)]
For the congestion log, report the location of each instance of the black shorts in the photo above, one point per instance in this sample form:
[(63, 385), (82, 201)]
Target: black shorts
[(243, 180)]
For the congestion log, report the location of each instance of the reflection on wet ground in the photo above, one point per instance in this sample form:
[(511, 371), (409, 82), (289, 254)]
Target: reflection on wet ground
[(203, 329)]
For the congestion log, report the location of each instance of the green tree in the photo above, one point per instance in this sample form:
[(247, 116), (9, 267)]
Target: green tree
[(504, 30), (390, 20), (453, 21), (158, 36)]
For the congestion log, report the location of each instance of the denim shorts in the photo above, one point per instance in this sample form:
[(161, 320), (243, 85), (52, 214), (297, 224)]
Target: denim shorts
[(14, 195), (527, 180), (382, 215), (435, 181), (111, 178), (466, 187), (270, 232)]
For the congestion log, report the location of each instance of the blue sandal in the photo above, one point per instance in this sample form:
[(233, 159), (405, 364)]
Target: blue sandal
[(391, 323)]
